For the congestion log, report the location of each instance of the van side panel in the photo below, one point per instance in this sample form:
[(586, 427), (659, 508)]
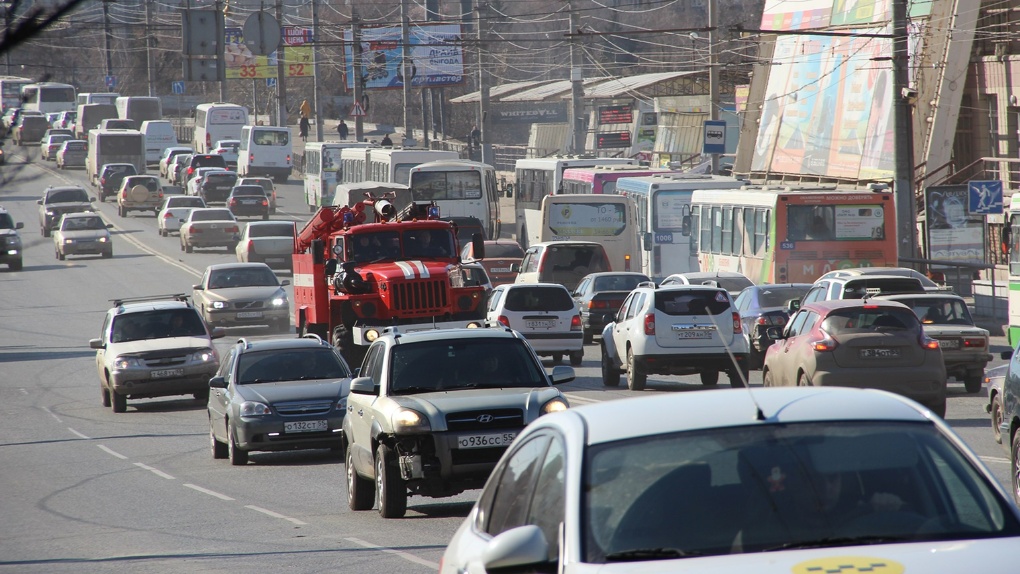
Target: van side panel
[(265, 151), (159, 135), (217, 121)]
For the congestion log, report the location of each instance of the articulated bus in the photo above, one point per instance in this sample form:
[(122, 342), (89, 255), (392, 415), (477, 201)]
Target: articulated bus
[(323, 171), (608, 219), (460, 188), (664, 218), (602, 179), (10, 91), (793, 234), (49, 97), (539, 177)]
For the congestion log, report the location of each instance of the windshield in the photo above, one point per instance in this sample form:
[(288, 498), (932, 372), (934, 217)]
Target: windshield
[(6, 221), (76, 195), (290, 365), (82, 223), (242, 277), (774, 487), (481, 362), (778, 296), (157, 325)]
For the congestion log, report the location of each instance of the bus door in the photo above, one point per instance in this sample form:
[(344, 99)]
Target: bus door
[(667, 245)]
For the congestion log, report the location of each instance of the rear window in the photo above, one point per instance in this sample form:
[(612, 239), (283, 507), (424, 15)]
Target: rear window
[(684, 302), (861, 320), (120, 170), (271, 230), (619, 282), (212, 215), (249, 190), (856, 289), (778, 296), (503, 250), (208, 161), (75, 146), (939, 311), (187, 202), (538, 299)]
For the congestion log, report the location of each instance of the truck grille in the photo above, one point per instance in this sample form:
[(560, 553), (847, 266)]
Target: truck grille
[(425, 296), (493, 419)]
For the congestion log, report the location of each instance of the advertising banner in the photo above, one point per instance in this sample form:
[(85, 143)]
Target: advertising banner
[(587, 219), (297, 55), (530, 113), (437, 58), (953, 235)]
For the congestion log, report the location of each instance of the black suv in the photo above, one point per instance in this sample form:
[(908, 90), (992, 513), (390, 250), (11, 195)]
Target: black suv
[(111, 175), (10, 241), (200, 160), (216, 186), (248, 201)]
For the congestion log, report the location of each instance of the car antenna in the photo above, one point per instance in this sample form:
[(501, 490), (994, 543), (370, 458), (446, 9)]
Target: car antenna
[(759, 415)]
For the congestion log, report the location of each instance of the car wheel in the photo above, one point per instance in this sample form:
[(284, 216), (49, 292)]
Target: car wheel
[(162, 232), (121, 211), (119, 402), (45, 231), (996, 410), (557, 358), (973, 382), (108, 254), (390, 490), (1014, 477), (188, 248), (219, 449), (237, 456), (709, 378), (16, 265), (229, 248), (576, 358), (360, 495), (766, 379), (804, 381), (283, 326), (738, 376), (265, 216), (588, 337), (105, 393), (201, 396), (343, 340), (939, 408), (636, 375), (610, 374)]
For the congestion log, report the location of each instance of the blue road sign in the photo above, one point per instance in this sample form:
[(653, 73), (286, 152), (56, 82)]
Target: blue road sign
[(178, 87), (985, 197), (715, 137), (270, 82), (111, 81)]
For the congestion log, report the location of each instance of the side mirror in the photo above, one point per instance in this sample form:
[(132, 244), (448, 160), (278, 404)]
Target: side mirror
[(685, 226), (96, 344), (39, 202), (646, 241), (20, 225), (330, 268), (562, 374), (217, 383), (516, 549), (775, 333), (515, 267), (363, 386), (109, 226), (92, 200), (197, 287), (218, 333), (285, 282), (1006, 355), (478, 245), (792, 306)]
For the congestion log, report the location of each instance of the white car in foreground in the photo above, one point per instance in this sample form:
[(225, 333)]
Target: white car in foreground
[(174, 209)]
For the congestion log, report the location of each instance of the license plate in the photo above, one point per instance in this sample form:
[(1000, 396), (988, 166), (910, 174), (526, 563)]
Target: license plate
[(879, 353), (694, 335), (539, 324), (270, 163), (249, 314), (167, 373), (949, 343), (486, 440), (499, 270), (306, 426)]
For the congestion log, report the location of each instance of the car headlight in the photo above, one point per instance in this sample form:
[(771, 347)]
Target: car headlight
[(407, 420), (126, 363), (68, 241), (554, 406), (203, 356), (104, 239), (279, 301), (50, 212), (254, 409), (219, 305)]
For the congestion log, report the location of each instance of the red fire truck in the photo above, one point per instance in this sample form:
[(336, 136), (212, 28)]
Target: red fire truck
[(353, 277)]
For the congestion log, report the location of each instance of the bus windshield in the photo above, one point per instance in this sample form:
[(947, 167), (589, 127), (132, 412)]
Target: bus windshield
[(439, 185), (670, 209)]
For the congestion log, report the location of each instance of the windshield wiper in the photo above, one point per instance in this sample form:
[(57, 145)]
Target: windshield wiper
[(838, 541), (650, 554), (411, 390)]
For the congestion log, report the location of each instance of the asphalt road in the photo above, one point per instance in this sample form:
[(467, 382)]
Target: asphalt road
[(85, 490)]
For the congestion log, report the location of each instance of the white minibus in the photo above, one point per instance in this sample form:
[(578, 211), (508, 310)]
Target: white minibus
[(139, 108), (215, 122), (48, 97), (159, 135), (265, 150), (98, 98), (323, 171)]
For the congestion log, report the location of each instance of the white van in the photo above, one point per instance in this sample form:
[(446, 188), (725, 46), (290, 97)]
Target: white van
[(215, 122), (563, 262), (90, 116), (159, 135), (98, 98), (265, 150)]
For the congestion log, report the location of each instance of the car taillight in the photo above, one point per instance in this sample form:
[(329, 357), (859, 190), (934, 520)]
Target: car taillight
[(929, 343), (160, 194), (193, 229), (190, 170), (504, 320), (650, 324), (288, 158), (575, 323), (102, 181), (123, 193), (169, 215), (251, 246), (974, 342), (598, 304), (232, 229), (737, 327), (233, 201), (265, 203), (827, 343), (251, 158)]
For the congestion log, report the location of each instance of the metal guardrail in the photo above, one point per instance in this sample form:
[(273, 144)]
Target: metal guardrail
[(958, 265)]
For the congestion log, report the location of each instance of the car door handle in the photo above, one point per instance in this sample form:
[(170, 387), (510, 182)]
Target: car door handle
[(361, 412)]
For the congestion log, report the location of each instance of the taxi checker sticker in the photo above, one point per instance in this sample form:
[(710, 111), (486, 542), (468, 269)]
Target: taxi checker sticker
[(849, 565)]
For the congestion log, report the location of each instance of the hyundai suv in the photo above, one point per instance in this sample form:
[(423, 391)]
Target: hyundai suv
[(154, 347), (675, 330)]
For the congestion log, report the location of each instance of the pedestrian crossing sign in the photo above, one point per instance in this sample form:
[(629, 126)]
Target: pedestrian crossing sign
[(357, 111)]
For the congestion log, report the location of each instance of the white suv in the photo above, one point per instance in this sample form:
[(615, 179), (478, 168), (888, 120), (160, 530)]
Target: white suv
[(544, 313), (675, 330)]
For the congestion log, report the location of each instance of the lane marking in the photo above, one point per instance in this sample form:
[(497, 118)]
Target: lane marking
[(79, 434), (155, 471), (579, 399), (400, 553), (209, 492), (275, 514), (25, 392), (49, 412), (111, 451), (995, 459)]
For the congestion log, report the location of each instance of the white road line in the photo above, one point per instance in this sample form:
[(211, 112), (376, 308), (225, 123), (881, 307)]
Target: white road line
[(113, 452), (155, 471), (209, 492), (275, 514), (400, 553), (994, 459), (49, 412), (579, 399), (25, 392), (78, 433)]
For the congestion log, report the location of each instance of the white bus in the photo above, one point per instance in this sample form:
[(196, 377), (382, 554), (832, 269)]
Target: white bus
[(10, 91), (350, 194), (461, 189), (114, 146), (48, 97), (1011, 237), (664, 218), (354, 165), (265, 151), (217, 121), (539, 177), (90, 116), (139, 108), (394, 165), (97, 98), (323, 171), (607, 219)]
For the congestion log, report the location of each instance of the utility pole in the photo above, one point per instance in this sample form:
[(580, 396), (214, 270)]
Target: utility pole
[(281, 76), (221, 8), (106, 30), (148, 49), (483, 85), (406, 71), (7, 26), (577, 143), (906, 204), (317, 105), (358, 71), (713, 71)]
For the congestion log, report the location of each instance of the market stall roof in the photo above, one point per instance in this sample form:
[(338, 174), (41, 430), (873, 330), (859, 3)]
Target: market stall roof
[(646, 85), (496, 92), (547, 91)]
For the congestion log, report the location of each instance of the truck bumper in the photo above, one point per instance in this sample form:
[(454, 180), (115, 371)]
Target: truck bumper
[(365, 334)]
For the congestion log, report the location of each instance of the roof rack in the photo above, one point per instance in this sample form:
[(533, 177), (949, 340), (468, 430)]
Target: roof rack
[(172, 296), (313, 336)]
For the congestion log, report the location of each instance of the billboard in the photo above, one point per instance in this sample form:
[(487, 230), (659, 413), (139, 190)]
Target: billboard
[(953, 234), (437, 58), (297, 55)]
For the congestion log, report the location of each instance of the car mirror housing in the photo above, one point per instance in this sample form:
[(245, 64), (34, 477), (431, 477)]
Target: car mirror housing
[(515, 549), (562, 374), (218, 333), (217, 383), (792, 306), (96, 344), (1006, 355), (775, 333), (363, 386), (197, 287), (285, 282)]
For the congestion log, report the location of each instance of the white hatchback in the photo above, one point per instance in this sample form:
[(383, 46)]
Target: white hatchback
[(544, 313), (174, 209)]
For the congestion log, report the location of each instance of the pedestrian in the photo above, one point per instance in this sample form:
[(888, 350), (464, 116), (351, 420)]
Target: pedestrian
[(476, 137), (306, 110), (341, 128), (303, 126), (386, 141)]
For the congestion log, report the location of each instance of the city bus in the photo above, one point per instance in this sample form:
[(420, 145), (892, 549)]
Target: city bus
[(10, 91), (1011, 240), (139, 108), (48, 97), (664, 223), (539, 177), (793, 234), (97, 98), (608, 219), (460, 188), (354, 165), (394, 165), (114, 146), (217, 121), (602, 179), (323, 171)]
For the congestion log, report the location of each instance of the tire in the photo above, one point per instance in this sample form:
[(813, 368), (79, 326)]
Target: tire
[(1014, 477), (709, 378), (237, 456), (636, 375), (265, 216), (557, 358), (804, 381), (973, 382), (738, 376), (105, 394), (996, 410), (45, 231), (390, 490), (766, 379), (122, 211), (360, 495), (576, 358), (939, 408), (162, 232), (108, 254), (610, 374), (119, 402), (588, 338), (16, 265), (219, 449), (343, 340), (58, 255), (201, 396), (283, 326)]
